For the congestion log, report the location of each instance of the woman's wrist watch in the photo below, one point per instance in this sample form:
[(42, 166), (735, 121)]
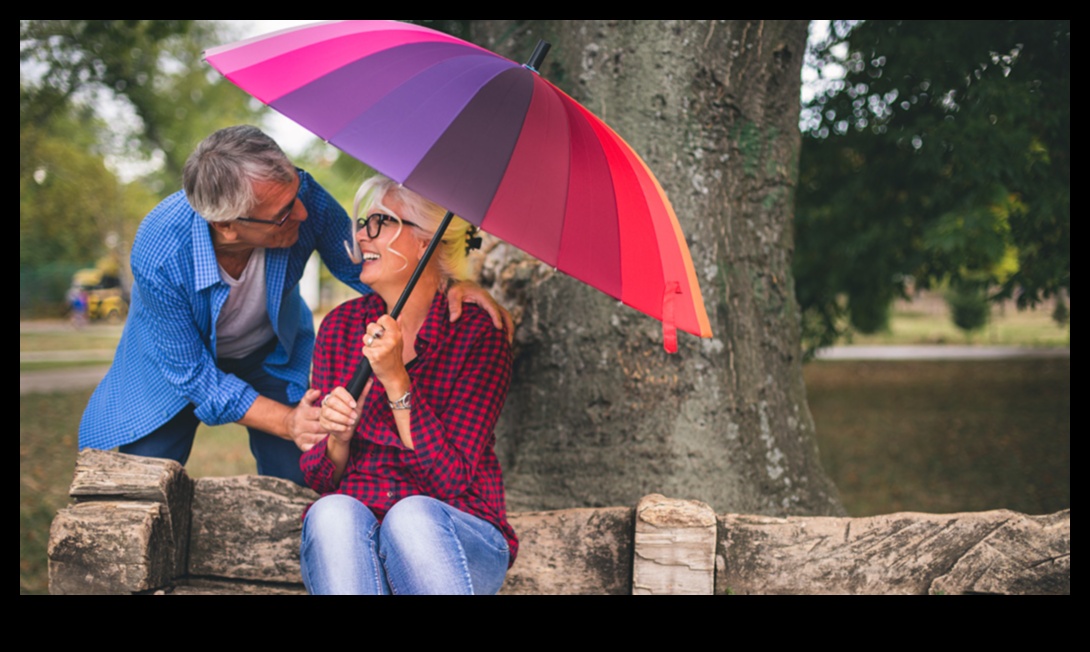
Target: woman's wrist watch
[(402, 403)]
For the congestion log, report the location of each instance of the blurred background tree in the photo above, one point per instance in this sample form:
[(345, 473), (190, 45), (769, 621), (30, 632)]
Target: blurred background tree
[(108, 112), (147, 73), (934, 153)]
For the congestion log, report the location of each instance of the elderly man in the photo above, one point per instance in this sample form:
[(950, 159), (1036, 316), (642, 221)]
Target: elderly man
[(217, 331)]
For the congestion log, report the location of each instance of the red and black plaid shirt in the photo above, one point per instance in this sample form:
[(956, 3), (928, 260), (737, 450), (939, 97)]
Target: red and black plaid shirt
[(460, 378)]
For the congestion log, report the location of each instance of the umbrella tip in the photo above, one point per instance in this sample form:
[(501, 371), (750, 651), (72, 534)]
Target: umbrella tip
[(540, 50)]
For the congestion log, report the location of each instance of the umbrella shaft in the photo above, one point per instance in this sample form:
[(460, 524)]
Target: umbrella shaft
[(363, 371)]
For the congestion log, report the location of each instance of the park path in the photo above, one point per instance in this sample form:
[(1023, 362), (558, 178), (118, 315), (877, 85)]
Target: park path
[(90, 365), (86, 375)]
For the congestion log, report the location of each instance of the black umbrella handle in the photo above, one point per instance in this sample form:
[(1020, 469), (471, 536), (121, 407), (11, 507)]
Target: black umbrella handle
[(363, 371)]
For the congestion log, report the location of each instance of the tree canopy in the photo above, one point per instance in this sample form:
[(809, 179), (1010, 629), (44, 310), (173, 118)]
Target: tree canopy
[(937, 152), (108, 113), (68, 200), (149, 70)]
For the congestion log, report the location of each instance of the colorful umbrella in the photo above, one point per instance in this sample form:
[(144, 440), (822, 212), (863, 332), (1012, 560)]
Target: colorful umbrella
[(488, 139)]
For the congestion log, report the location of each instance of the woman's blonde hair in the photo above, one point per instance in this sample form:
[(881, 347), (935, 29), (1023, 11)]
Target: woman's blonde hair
[(451, 255)]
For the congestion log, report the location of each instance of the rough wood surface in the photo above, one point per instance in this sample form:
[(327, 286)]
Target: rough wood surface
[(107, 474), (108, 547), (572, 552), (247, 528), (674, 547), (115, 476), (1022, 555), (217, 587), (905, 553)]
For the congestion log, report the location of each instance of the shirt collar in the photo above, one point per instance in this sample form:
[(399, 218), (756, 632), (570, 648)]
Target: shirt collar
[(206, 269), (304, 180), (435, 325)]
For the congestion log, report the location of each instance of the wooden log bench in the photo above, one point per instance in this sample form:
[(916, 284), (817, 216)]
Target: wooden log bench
[(142, 526)]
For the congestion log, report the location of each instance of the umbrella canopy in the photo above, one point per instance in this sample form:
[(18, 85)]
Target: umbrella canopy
[(488, 139)]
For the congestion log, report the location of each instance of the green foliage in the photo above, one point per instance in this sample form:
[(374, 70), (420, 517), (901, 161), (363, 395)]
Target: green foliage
[(969, 306), (151, 69), (70, 204), (1061, 314), (122, 92), (942, 154), (338, 172), (67, 197)]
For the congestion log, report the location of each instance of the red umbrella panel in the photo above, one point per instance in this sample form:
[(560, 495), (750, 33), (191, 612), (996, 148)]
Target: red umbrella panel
[(488, 139)]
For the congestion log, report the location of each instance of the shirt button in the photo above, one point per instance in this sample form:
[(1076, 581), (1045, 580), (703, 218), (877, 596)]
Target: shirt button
[(389, 494)]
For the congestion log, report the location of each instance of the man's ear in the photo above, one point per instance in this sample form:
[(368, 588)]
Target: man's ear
[(223, 231)]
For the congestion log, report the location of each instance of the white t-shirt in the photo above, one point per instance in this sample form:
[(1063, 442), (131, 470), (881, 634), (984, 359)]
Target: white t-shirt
[(243, 324)]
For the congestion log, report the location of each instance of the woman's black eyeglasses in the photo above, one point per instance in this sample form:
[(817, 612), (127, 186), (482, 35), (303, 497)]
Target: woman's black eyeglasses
[(373, 223)]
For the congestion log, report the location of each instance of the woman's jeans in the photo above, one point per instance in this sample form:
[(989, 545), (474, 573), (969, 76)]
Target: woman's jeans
[(422, 547), (275, 456)]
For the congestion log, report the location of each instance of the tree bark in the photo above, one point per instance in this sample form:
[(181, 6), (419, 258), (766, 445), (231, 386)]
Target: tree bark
[(598, 414)]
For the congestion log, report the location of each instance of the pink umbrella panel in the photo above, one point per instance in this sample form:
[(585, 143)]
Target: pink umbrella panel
[(490, 140)]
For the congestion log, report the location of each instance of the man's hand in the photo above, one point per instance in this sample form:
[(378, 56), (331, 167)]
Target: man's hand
[(302, 422), (470, 292)]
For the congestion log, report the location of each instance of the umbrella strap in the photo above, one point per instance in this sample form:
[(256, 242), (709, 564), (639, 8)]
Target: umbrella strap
[(669, 321)]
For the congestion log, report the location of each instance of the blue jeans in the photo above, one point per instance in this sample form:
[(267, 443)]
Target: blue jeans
[(275, 456), (422, 547)]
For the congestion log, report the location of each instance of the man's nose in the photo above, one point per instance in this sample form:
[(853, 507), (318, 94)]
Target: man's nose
[(299, 211)]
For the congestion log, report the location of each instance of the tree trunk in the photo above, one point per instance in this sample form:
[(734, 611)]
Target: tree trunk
[(598, 414)]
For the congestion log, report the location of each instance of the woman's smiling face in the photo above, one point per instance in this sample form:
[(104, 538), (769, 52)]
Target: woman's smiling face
[(383, 267)]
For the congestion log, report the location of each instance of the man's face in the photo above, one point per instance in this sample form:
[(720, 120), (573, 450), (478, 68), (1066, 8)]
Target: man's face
[(275, 202)]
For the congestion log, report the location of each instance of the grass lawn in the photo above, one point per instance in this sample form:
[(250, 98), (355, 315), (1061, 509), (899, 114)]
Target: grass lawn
[(925, 320), (945, 436), (64, 338)]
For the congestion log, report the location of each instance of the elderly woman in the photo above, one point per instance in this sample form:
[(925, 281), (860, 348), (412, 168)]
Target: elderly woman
[(412, 493)]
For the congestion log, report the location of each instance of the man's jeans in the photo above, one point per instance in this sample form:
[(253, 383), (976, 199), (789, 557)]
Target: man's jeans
[(422, 547), (275, 456)]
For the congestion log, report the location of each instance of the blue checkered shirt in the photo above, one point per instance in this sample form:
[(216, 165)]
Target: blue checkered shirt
[(167, 355)]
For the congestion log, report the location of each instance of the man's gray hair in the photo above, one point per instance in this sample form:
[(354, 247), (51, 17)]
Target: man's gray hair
[(220, 174)]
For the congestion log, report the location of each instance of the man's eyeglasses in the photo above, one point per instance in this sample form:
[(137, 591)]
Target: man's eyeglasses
[(279, 220), (373, 223)]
